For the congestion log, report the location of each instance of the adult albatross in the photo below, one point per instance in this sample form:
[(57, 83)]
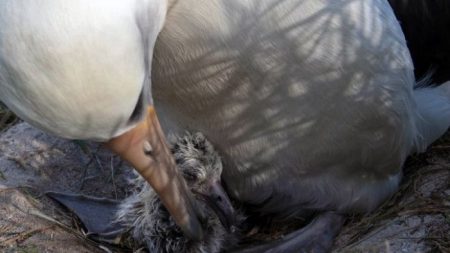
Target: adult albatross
[(80, 70), (312, 103)]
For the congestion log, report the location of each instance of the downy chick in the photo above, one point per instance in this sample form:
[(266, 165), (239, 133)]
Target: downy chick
[(149, 222)]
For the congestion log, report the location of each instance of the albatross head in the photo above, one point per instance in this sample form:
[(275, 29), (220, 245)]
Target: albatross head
[(81, 70)]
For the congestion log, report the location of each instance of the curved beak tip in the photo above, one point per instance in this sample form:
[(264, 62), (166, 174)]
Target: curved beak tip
[(220, 203)]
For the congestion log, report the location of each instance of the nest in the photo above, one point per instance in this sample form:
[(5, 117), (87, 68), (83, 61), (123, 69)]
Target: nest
[(416, 218)]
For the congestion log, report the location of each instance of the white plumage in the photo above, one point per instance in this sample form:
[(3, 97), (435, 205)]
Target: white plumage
[(76, 69), (312, 103), (311, 97)]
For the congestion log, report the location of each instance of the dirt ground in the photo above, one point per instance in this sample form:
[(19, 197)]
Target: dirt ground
[(417, 219), (31, 163)]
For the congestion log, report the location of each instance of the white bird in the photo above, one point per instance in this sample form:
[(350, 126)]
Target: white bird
[(81, 70), (312, 103)]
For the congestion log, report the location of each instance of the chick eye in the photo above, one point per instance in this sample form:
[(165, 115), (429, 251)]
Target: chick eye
[(192, 177)]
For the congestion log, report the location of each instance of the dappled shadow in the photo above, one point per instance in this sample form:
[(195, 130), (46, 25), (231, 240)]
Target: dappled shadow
[(297, 96)]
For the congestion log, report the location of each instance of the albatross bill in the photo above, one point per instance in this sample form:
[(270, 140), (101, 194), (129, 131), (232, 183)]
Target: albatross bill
[(146, 149)]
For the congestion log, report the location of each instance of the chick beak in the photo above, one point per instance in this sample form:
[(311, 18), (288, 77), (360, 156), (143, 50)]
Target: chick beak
[(145, 148), (218, 200)]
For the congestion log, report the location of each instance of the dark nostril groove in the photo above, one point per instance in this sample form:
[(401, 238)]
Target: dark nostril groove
[(219, 198)]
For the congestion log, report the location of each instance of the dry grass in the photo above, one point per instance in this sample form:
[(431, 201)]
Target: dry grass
[(423, 192)]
